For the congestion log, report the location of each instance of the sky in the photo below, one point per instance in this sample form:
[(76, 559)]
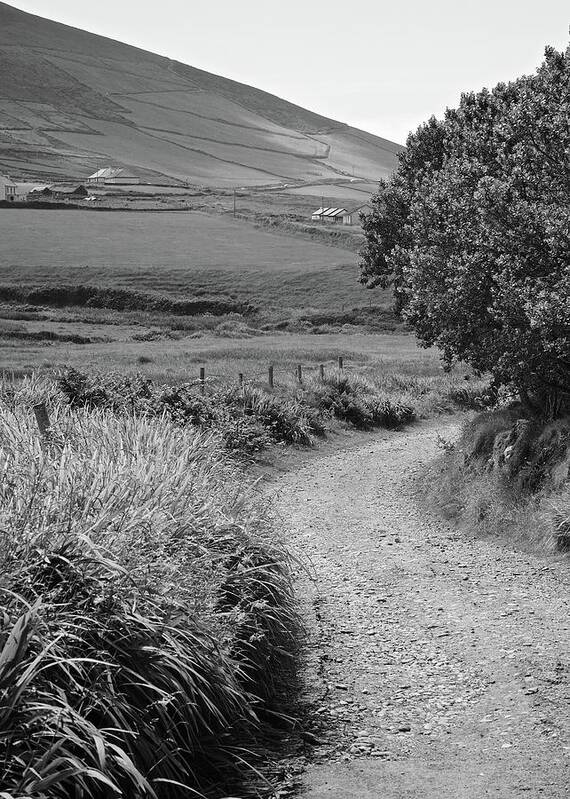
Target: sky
[(381, 66)]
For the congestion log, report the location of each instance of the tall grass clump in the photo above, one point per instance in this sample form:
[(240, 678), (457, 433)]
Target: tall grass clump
[(355, 399), (147, 606), (286, 417), (431, 395)]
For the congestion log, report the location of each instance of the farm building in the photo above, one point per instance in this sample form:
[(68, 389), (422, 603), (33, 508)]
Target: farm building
[(340, 215), (40, 193), (112, 176), (69, 192), (355, 213), (335, 215)]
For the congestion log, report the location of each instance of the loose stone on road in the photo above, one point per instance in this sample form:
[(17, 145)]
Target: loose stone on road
[(437, 664)]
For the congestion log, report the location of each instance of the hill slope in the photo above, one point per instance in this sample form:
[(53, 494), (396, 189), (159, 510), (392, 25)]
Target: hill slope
[(71, 101)]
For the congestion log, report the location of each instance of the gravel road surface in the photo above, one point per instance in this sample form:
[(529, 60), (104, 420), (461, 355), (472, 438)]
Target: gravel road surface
[(437, 664)]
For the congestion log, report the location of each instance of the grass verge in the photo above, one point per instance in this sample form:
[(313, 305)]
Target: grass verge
[(147, 605), (509, 476)]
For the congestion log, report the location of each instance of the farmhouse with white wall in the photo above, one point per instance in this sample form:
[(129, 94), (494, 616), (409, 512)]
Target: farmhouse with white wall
[(113, 176), (339, 216)]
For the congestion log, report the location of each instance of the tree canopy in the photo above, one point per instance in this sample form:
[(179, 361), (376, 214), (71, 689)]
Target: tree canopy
[(472, 231)]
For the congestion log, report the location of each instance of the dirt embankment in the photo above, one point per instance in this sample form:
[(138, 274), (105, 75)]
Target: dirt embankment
[(437, 665)]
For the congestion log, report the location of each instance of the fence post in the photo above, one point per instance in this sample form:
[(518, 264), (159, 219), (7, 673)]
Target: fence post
[(240, 378), (299, 373), (322, 371), (340, 362), (42, 418), (202, 379), (270, 376)]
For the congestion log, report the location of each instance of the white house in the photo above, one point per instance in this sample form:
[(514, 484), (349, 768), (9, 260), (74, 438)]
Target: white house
[(14, 191), (335, 215), (112, 176), (7, 188)]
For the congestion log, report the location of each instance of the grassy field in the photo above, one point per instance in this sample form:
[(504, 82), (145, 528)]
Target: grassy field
[(295, 289), (176, 253), (47, 245), (226, 357), (393, 362)]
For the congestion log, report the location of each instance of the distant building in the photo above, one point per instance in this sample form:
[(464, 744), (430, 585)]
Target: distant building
[(11, 192), (4, 182), (113, 176), (69, 192), (338, 216), (40, 193), (16, 192), (355, 213)]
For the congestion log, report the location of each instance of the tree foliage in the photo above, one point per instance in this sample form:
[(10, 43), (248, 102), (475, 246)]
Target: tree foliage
[(472, 231)]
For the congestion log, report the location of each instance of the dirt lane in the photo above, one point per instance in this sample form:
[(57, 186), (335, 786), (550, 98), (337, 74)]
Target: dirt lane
[(437, 666)]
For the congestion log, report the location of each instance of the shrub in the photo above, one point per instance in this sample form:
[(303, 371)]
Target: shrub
[(244, 435), (248, 418), (286, 419)]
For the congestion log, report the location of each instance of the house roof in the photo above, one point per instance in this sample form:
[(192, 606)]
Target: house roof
[(330, 212), (25, 188), (360, 207), (112, 172), (76, 189)]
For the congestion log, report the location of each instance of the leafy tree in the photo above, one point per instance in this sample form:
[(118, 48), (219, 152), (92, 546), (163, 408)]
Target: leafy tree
[(472, 231)]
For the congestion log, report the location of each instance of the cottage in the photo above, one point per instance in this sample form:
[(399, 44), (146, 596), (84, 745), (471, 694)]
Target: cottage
[(114, 176), (334, 215)]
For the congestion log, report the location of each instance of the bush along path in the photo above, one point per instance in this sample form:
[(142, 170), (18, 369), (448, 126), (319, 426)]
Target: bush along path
[(437, 664)]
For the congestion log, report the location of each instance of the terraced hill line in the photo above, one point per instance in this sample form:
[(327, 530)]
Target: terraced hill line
[(115, 93), (437, 665)]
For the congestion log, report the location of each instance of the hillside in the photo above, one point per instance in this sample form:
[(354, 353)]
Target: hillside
[(71, 101)]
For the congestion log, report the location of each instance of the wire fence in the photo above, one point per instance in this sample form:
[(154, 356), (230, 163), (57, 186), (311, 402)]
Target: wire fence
[(271, 376), (297, 373)]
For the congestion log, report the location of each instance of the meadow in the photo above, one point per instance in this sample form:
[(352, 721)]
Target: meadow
[(224, 356), (176, 253)]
